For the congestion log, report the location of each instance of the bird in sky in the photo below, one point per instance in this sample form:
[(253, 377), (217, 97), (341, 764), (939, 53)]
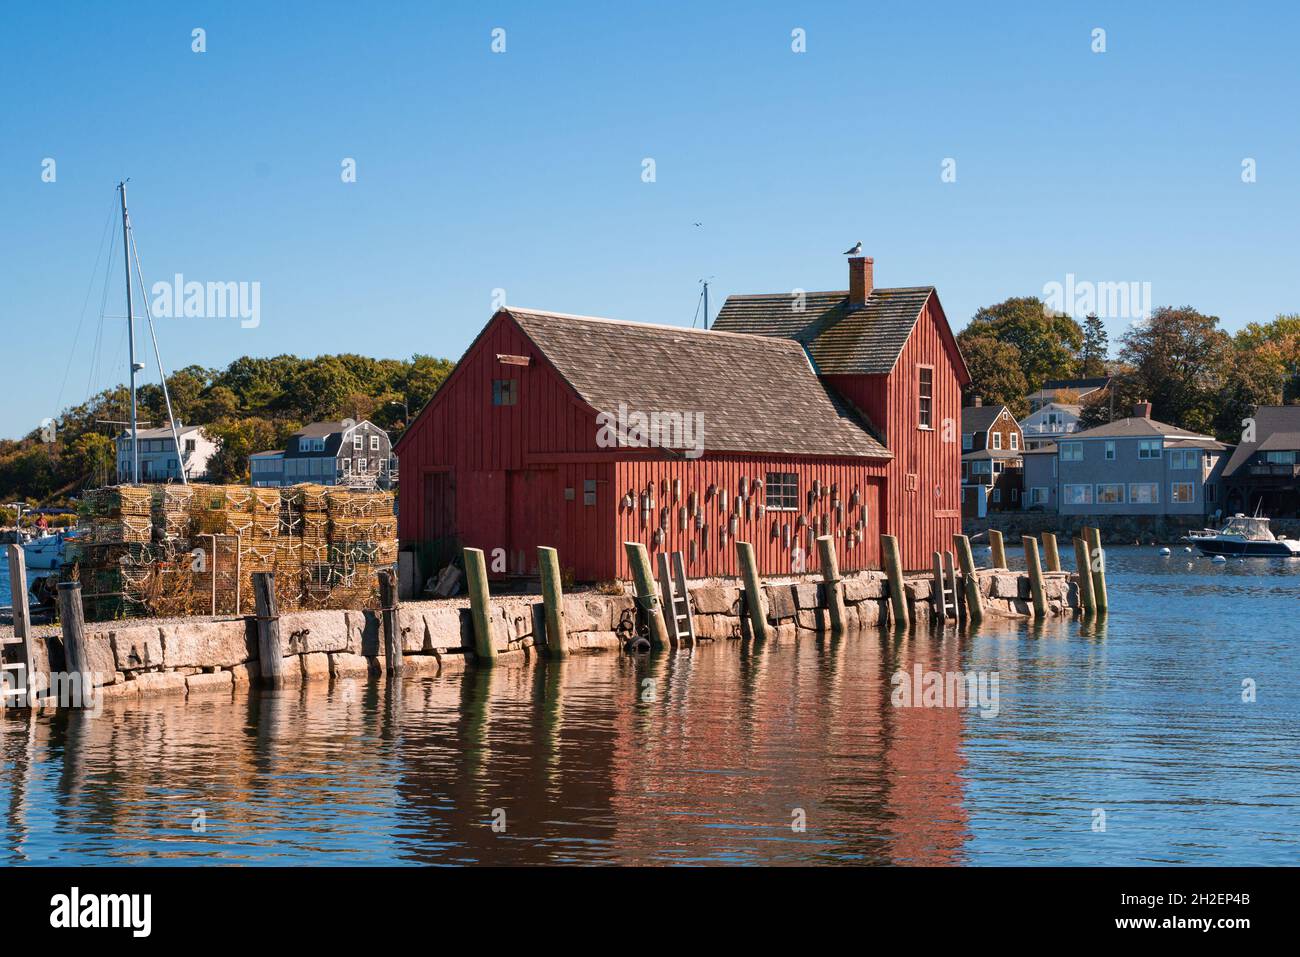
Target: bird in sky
[(854, 251)]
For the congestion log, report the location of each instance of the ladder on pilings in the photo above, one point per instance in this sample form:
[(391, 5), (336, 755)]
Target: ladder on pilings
[(16, 651), (945, 586), (676, 599)]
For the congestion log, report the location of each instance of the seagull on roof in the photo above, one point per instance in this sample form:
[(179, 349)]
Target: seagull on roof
[(854, 251)]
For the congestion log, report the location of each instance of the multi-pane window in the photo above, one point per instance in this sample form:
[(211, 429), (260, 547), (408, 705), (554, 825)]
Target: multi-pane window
[(925, 397), (782, 491), (1015, 441), (1071, 451), (997, 439), (358, 442), (1150, 448), (1110, 451), (1184, 458), (1143, 493), (1076, 494), (505, 391), (374, 443), (1038, 495), (1182, 492), (967, 441), (1110, 493)]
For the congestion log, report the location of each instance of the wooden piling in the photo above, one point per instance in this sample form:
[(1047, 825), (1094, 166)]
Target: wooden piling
[(894, 572), (270, 649), (646, 596), (998, 547), (476, 583), (22, 623), (1035, 568), (1086, 603), (76, 660), (971, 582), (1051, 554), (1097, 565), (548, 563), (831, 577), (753, 590), (388, 621)]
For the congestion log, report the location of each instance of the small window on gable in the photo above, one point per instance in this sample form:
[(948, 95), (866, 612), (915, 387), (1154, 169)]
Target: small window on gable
[(505, 391)]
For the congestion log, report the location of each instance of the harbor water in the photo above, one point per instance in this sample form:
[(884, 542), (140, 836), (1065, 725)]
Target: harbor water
[(1170, 733)]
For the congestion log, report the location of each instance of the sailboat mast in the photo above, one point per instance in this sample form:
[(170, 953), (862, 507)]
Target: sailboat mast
[(130, 335)]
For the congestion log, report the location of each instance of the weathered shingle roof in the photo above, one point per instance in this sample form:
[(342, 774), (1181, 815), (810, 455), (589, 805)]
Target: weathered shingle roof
[(840, 341), (1137, 428), (756, 394), (978, 418), (1277, 429)]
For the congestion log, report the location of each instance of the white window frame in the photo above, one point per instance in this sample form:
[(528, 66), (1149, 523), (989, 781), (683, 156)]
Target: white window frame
[(996, 439), (1014, 438), (358, 443), (374, 443), (781, 491), (1101, 485), (1068, 499), (1136, 500)]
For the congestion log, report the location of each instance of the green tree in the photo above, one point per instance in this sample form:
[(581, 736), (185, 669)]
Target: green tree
[(996, 374), (1048, 342), (1096, 348), (236, 440), (1180, 361)]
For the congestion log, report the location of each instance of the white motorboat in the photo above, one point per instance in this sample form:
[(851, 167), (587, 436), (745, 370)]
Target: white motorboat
[(44, 551), (1246, 537)]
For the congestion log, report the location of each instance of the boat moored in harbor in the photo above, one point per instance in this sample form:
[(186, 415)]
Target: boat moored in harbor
[(1246, 537)]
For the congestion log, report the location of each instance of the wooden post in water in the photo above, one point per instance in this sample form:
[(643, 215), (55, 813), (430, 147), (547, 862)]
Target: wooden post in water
[(388, 621), (894, 572), (476, 582), (548, 563), (998, 547), (1086, 603), (72, 623), (831, 578), (974, 600), (1097, 565), (270, 650), (1035, 567), (647, 598), (22, 624), (1050, 552), (753, 589)]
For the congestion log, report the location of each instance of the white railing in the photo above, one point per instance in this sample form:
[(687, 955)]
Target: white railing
[(1049, 428)]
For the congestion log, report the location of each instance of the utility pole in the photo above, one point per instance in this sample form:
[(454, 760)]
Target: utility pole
[(130, 335)]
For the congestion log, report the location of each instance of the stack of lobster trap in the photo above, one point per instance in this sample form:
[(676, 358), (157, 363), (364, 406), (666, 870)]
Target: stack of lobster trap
[(193, 549)]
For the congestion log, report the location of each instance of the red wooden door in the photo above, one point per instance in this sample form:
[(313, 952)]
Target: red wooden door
[(535, 501)]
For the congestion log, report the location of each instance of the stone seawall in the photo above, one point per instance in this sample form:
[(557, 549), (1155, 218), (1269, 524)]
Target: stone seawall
[(1115, 529), (201, 656)]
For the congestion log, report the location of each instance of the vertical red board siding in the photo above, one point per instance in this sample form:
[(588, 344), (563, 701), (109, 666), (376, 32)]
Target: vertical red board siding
[(923, 520), (724, 472)]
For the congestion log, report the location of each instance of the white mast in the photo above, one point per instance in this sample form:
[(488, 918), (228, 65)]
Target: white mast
[(130, 327)]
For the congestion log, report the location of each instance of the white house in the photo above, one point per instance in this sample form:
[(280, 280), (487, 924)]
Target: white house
[(1049, 423), (159, 461)]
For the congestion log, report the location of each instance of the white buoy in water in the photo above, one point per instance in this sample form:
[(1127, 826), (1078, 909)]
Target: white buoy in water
[(1164, 551), (1188, 549), (1219, 560)]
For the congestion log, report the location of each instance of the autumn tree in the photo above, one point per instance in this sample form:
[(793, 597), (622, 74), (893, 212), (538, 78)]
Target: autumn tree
[(1047, 342), (1179, 359)]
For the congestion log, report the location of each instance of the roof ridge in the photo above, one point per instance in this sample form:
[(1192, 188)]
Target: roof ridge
[(825, 292), (647, 325)]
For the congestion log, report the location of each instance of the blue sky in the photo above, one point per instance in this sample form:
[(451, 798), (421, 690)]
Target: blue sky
[(523, 170)]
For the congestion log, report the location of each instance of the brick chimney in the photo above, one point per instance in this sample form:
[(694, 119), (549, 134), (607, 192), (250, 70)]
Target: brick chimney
[(977, 401), (861, 280), (1142, 410)]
